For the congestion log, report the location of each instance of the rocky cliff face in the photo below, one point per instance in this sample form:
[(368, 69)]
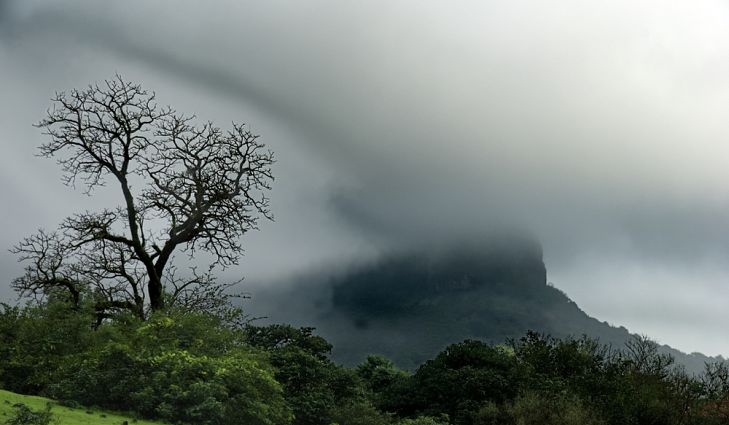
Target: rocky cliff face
[(410, 306)]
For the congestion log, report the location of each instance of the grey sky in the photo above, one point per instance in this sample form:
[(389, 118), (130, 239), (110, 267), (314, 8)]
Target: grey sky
[(601, 127)]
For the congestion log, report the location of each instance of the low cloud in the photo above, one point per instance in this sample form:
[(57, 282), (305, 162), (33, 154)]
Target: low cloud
[(600, 129)]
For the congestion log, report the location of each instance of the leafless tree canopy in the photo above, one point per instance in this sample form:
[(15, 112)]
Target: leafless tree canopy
[(184, 187)]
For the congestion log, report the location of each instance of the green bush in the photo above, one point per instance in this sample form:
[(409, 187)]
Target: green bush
[(535, 409), (361, 413), (379, 373), (159, 373), (35, 340), (425, 420), (457, 382), (491, 414), (314, 386), (24, 415)]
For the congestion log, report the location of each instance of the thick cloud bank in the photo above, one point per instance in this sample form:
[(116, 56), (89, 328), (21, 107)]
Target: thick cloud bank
[(599, 127)]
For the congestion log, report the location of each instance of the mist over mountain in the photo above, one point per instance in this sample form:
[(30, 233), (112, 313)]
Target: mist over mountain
[(408, 306), (601, 128)]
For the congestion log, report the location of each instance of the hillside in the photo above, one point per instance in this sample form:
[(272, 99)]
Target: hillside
[(64, 415), (410, 306)]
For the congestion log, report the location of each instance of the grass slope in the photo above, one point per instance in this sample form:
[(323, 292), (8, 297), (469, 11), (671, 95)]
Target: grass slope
[(62, 414)]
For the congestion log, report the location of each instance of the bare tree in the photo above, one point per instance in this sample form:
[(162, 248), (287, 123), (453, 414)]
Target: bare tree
[(183, 187), (643, 353)]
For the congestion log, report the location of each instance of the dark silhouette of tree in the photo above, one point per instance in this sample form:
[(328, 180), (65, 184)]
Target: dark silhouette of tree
[(184, 187)]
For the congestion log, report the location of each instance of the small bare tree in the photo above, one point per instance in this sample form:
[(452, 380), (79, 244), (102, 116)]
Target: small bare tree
[(183, 188)]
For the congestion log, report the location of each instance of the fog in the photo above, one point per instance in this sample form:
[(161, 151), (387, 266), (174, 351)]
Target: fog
[(598, 127)]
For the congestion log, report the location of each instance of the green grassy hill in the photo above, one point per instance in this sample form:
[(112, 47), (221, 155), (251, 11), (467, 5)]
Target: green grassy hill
[(62, 414)]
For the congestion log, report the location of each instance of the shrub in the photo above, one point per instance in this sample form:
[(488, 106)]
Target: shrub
[(425, 420), (165, 369), (457, 382), (491, 414), (535, 409), (24, 415), (359, 414), (35, 340), (313, 384)]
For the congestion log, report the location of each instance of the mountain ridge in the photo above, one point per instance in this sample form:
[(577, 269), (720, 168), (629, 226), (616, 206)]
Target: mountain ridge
[(409, 306)]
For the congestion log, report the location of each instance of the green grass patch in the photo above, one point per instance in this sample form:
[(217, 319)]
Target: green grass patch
[(65, 415)]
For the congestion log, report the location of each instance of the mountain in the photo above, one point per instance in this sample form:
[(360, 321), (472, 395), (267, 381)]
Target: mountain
[(409, 306)]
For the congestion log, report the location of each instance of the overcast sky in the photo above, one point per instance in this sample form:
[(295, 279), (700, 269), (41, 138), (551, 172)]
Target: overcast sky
[(601, 127)]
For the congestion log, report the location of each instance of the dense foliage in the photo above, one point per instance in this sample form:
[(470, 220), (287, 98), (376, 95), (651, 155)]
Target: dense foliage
[(179, 367), (184, 367)]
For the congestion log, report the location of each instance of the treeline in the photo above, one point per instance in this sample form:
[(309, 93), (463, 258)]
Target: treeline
[(194, 368)]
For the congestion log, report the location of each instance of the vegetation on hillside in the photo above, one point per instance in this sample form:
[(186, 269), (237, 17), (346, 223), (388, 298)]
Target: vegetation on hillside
[(189, 367)]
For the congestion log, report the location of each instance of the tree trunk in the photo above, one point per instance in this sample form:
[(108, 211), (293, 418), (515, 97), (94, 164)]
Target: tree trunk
[(156, 298)]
